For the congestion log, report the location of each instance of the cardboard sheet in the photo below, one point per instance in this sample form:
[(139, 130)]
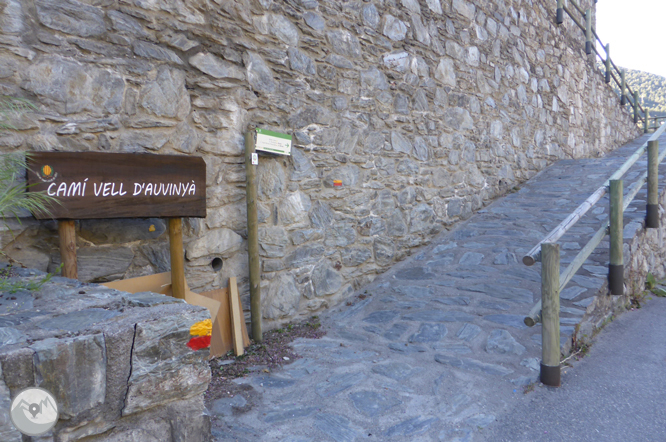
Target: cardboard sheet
[(216, 301), (161, 283)]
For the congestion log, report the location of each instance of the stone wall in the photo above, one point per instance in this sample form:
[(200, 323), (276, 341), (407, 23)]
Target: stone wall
[(425, 109), (118, 364)]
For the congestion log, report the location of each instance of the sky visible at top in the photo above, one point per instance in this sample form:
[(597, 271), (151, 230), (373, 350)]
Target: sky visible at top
[(635, 31)]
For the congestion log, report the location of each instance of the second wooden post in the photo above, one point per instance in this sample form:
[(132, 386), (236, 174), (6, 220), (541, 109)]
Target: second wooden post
[(652, 212), (550, 314), (616, 266)]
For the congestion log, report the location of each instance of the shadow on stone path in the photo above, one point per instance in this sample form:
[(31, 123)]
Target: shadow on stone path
[(436, 348)]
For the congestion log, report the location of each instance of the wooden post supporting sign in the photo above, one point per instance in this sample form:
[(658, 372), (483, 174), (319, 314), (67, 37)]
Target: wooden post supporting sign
[(253, 236), (67, 233), (177, 257)]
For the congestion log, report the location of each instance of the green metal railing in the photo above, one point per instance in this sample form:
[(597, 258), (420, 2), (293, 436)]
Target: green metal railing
[(612, 72)]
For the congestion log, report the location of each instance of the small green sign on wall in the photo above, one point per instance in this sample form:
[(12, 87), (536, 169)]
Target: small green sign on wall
[(273, 142)]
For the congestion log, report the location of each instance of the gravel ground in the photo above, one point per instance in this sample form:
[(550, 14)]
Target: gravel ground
[(272, 353)]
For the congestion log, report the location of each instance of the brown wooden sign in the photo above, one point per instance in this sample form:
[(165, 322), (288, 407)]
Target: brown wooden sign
[(119, 185)]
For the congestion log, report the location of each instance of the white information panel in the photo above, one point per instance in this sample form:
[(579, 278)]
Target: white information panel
[(273, 142)]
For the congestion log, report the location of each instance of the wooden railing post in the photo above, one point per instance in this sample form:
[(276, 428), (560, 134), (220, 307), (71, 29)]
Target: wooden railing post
[(616, 266), (550, 314), (608, 64), (253, 237), (623, 90), (588, 31), (635, 105), (652, 211), (646, 122), (560, 12)]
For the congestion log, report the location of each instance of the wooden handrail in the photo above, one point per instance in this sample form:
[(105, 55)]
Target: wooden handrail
[(534, 316), (533, 257)]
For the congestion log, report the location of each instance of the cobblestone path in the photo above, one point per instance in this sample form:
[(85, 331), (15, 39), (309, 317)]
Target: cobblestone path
[(436, 349)]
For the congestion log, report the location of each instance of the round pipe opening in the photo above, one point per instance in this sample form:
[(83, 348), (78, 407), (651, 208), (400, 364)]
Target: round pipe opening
[(216, 264)]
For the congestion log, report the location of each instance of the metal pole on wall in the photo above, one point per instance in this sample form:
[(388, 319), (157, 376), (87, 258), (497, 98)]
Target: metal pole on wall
[(560, 12), (623, 90), (616, 266), (177, 258), (550, 314), (253, 235), (652, 211), (67, 234)]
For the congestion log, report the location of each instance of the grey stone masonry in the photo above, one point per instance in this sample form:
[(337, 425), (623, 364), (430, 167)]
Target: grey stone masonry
[(118, 364), (398, 364), (426, 110)]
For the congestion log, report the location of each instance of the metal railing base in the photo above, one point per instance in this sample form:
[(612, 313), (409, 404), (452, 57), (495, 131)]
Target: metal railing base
[(560, 16), (588, 47), (616, 279), (652, 216), (550, 375)]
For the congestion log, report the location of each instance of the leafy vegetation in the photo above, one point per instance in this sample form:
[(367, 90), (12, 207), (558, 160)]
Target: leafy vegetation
[(8, 285), (653, 286), (651, 89), (14, 200), (12, 106)]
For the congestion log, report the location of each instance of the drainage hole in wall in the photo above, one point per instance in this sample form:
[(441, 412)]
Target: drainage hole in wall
[(216, 264)]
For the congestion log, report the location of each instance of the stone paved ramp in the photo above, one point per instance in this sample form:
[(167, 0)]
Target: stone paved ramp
[(436, 349)]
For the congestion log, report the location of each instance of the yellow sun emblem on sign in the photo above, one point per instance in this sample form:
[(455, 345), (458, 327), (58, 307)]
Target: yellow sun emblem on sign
[(47, 171)]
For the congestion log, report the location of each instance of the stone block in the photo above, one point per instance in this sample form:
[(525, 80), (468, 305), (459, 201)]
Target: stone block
[(74, 370), (189, 421), (155, 52), (78, 320), (18, 372), (325, 279), (344, 43), (97, 264), (259, 75), (164, 368), (282, 298), (73, 87), (221, 242), (7, 431), (71, 17), (394, 28), (114, 231), (370, 16), (315, 21), (213, 66), (166, 96)]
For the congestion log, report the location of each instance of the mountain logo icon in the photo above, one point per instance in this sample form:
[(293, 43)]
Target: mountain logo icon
[(34, 411)]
